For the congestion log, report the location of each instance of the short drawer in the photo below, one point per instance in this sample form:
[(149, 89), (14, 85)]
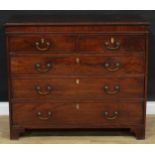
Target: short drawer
[(77, 87), (112, 43), (41, 43), (77, 115), (77, 65)]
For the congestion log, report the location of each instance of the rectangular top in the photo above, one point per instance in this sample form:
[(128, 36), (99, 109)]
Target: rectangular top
[(90, 19)]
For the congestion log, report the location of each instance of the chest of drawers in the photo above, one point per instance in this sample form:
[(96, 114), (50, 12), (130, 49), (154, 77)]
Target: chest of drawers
[(77, 73)]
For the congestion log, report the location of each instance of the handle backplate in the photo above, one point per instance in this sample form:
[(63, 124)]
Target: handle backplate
[(112, 44), (42, 45)]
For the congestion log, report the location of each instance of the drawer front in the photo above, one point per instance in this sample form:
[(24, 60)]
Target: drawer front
[(78, 87), (77, 65), (68, 43), (77, 115), (112, 43), (41, 43)]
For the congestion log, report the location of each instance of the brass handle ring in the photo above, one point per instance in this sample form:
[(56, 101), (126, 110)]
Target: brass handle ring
[(112, 68), (111, 117), (41, 117), (42, 45), (39, 68), (115, 90), (39, 90)]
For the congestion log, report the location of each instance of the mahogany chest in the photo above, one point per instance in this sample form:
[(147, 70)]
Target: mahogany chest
[(77, 72)]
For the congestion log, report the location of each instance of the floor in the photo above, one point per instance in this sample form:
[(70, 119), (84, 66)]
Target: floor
[(104, 138)]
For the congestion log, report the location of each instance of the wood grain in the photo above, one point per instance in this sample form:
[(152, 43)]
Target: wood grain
[(88, 115), (68, 88), (77, 73), (78, 64)]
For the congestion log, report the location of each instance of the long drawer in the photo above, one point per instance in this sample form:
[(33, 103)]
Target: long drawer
[(77, 115), (60, 43), (77, 65), (77, 87)]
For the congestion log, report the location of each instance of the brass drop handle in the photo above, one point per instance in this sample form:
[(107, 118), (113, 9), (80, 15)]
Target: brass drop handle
[(42, 45), (39, 68), (111, 67), (112, 44), (40, 91), (109, 116), (43, 117), (115, 90)]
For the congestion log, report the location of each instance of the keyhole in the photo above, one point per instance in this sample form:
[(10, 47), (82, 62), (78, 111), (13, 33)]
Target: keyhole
[(112, 40), (77, 81), (42, 40), (77, 60), (77, 106)]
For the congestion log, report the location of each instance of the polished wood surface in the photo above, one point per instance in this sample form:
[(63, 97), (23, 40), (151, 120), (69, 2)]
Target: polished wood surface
[(77, 43), (108, 43), (78, 64), (69, 73), (89, 28), (76, 19), (78, 115), (110, 136), (28, 43), (84, 88)]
